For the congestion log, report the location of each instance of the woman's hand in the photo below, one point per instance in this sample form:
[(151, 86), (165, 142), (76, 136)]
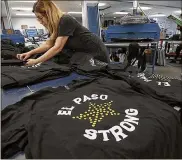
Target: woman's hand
[(24, 56), (31, 62)]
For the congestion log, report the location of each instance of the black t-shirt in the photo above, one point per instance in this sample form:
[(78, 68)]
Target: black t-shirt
[(101, 118), (18, 76), (157, 86), (81, 39)]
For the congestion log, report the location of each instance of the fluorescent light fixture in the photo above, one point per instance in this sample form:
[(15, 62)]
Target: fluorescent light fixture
[(21, 8), (25, 1), (101, 4), (74, 12), (114, 17), (25, 14), (157, 15), (179, 12), (120, 12), (144, 8)]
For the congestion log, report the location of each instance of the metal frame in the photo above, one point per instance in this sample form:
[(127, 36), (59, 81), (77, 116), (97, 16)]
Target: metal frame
[(143, 44)]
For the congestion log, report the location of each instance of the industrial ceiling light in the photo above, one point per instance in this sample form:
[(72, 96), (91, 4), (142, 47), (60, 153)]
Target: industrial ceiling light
[(74, 12), (144, 8), (120, 12), (101, 4), (21, 8), (157, 15), (178, 12), (25, 1), (25, 14)]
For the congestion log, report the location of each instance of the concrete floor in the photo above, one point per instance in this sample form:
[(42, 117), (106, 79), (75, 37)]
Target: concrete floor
[(170, 69)]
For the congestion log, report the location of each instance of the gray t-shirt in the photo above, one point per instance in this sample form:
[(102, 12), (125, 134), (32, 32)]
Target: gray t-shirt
[(81, 39)]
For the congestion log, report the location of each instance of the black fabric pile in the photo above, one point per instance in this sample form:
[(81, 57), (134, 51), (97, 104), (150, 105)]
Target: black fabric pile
[(120, 113), (18, 76), (9, 50), (93, 118)]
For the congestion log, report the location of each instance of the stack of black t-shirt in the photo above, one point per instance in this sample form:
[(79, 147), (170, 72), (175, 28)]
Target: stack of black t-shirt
[(93, 118), (9, 50), (17, 76)]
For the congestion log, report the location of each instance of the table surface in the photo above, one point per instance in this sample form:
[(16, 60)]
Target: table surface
[(172, 41)]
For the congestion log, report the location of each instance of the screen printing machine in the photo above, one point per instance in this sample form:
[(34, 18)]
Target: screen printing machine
[(147, 35)]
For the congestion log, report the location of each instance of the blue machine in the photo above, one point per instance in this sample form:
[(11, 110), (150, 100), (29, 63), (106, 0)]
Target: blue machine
[(133, 32), (16, 36), (31, 32)]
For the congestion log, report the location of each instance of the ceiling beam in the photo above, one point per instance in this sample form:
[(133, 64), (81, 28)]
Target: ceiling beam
[(145, 3)]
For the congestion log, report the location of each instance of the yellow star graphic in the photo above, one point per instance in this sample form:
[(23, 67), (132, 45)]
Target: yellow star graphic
[(96, 113)]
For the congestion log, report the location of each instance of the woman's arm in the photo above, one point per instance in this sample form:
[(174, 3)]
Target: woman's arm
[(59, 44), (43, 48)]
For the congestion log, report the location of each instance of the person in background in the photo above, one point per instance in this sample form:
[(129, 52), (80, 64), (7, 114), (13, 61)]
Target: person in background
[(179, 48), (65, 32)]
